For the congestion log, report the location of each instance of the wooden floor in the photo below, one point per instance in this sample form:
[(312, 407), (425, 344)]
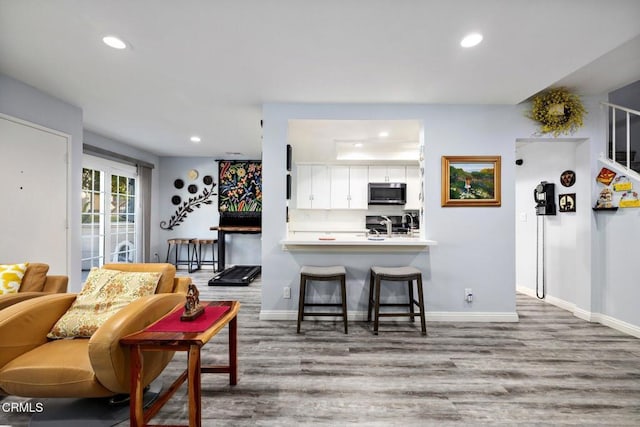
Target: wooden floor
[(551, 368)]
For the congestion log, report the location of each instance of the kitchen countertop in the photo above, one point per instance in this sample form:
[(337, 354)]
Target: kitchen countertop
[(332, 240)]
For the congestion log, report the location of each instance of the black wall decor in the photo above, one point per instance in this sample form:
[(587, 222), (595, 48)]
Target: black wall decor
[(289, 157), (568, 178), (204, 198), (567, 202), (288, 187)]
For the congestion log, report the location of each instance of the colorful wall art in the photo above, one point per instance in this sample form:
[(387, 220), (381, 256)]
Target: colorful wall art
[(471, 181), (240, 186)]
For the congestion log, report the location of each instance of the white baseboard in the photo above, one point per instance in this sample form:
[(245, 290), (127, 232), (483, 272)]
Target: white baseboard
[(460, 316), (445, 316), (527, 291), (583, 314), (589, 316), (616, 324), (565, 305)]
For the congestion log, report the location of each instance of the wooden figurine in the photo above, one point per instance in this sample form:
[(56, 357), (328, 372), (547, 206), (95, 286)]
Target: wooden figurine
[(192, 307)]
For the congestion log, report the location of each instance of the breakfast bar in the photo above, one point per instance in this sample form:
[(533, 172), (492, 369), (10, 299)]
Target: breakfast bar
[(356, 241)]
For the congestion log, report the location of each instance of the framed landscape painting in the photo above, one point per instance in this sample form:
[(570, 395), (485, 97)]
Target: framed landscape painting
[(470, 181)]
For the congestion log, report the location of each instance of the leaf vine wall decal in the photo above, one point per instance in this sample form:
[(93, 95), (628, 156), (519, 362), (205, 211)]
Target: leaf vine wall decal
[(188, 206)]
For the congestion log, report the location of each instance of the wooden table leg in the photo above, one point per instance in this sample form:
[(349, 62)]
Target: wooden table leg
[(233, 351), (136, 412), (194, 384)]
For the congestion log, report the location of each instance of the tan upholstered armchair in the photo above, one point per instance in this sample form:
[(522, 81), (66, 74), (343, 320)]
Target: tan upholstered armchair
[(31, 365), (35, 283)]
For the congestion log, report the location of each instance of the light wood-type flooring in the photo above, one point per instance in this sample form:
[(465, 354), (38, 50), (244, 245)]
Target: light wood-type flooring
[(550, 368)]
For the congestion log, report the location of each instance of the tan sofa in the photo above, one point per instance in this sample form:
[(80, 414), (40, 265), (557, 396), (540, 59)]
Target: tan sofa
[(31, 365), (35, 283)]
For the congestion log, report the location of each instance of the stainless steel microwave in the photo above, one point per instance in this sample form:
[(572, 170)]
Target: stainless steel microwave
[(387, 193)]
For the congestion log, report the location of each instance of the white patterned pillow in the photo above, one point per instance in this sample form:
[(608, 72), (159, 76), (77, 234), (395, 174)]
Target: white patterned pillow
[(11, 277), (104, 293)]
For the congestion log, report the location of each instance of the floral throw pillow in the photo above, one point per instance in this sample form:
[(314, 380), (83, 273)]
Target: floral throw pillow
[(104, 293), (11, 277)]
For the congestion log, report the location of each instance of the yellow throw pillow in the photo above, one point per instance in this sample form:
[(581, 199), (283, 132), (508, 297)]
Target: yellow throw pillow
[(11, 277), (104, 293)]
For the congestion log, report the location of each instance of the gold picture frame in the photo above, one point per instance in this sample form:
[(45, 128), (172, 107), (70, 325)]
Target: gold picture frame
[(471, 181)]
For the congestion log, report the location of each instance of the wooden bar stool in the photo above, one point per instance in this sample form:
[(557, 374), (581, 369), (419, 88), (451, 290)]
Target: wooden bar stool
[(323, 274), (201, 256), (395, 274), (177, 245)]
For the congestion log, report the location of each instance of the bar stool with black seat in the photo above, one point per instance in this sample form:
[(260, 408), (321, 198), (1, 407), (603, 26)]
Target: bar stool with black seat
[(177, 244), (200, 255), (395, 274), (323, 274)]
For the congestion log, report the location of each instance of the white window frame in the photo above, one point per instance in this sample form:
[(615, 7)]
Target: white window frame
[(110, 168)]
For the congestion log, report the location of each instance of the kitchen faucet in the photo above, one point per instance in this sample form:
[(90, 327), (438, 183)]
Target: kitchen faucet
[(410, 231), (386, 221)]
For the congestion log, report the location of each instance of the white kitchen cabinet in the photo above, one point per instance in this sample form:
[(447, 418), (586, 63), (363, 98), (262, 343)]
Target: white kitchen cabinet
[(381, 173), (414, 188), (312, 187), (349, 187)]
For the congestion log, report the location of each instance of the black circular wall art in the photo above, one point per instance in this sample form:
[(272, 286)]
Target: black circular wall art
[(184, 207), (568, 178)]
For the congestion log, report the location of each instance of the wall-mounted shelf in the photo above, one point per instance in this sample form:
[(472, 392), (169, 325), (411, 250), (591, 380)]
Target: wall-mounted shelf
[(606, 209)]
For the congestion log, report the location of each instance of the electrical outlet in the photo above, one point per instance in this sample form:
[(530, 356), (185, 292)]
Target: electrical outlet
[(286, 293), (468, 295)]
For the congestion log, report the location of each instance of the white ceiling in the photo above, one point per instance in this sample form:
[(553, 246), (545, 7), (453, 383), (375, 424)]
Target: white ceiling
[(206, 66)]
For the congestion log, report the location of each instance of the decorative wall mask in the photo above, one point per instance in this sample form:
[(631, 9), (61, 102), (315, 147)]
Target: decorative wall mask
[(568, 178), (204, 198)]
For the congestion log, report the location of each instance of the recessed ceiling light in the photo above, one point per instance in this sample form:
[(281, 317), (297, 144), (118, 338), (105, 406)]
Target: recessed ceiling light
[(358, 144), (114, 42), (383, 134), (471, 40), (195, 139)]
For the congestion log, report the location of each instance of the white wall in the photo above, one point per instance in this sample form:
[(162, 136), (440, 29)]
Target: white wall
[(476, 245), (619, 233), (25, 102), (241, 249), (545, 160)]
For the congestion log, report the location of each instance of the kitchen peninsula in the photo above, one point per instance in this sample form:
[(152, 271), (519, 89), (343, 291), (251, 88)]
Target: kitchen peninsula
[(361, 241)]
